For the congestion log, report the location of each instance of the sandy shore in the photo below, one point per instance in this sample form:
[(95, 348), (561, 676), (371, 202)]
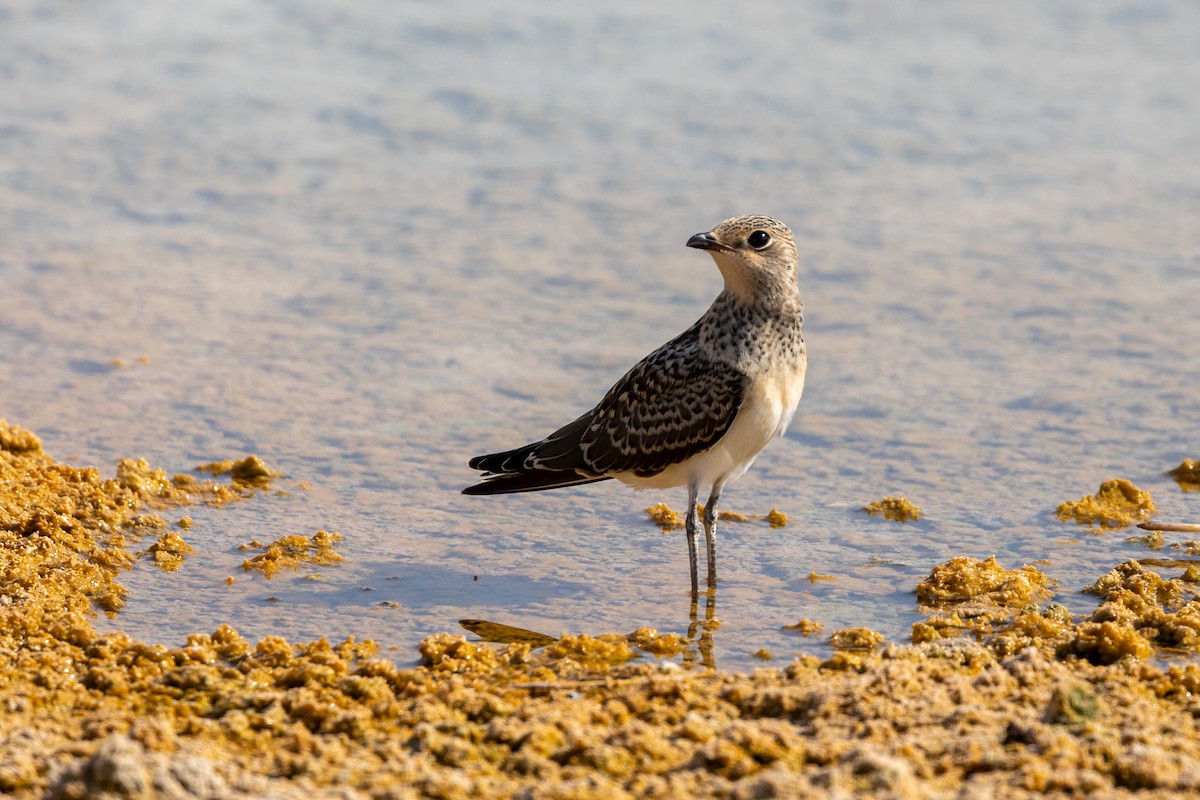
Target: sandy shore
[(1003, 694)]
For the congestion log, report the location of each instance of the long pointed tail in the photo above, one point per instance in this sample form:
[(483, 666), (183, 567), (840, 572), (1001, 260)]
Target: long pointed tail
[(532, 481)]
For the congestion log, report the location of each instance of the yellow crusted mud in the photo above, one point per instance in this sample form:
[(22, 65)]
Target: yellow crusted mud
[(169, 551), (247, 472), (856, 639), (896, 509), (72, 526), (1117, 504), (969, 595), (14, 439), (1043, 705), (664, 517), (668, 519), (662, 645), (963, 578), (776, 518), (289, 552), (1152, 540), (805, 627), (1187, 475)]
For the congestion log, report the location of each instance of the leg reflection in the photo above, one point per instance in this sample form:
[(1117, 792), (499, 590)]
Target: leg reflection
[(701, 631)]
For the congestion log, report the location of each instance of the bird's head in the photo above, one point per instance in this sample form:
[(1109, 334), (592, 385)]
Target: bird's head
[(756, 255)]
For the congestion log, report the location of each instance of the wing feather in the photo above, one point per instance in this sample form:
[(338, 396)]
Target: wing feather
[(673, 404)]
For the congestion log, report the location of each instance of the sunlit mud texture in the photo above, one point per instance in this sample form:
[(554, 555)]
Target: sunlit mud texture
[(1116, 504), (1187, 475), (1027, 701), (897, 509)]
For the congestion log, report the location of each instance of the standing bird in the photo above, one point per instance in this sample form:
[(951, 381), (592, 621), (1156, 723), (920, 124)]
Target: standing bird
[(698, 410)]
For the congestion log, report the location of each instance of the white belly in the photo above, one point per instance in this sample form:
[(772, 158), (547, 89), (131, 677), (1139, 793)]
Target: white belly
[(764, 414)]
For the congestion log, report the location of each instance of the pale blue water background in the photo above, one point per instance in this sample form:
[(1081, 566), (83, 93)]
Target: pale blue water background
[(368, 241)]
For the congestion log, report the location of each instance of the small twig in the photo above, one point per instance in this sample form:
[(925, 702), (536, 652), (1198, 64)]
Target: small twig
[(1181, 527)]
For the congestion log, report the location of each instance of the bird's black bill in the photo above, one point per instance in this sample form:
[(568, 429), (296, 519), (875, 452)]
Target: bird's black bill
[(706, 241)]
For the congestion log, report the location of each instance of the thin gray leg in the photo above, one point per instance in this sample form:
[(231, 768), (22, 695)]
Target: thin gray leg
[(690, 528), (710, 534)]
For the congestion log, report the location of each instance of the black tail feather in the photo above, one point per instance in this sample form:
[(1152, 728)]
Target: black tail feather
[(531, 481), (508, 461)]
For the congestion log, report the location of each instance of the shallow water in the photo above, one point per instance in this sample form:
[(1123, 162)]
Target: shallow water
[(370, 242)]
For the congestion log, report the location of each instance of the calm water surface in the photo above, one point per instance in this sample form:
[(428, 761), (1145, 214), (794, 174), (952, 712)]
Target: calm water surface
[(369, 242)]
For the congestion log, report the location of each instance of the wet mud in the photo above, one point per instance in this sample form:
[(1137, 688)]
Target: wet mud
[(897, 509), (1116, 504), (1001, 693)]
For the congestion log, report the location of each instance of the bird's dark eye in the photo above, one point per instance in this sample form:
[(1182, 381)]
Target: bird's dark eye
[(759, 239)]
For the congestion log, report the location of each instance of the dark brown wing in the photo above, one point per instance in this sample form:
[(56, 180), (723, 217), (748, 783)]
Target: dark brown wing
[(675, 403), (666, 410)]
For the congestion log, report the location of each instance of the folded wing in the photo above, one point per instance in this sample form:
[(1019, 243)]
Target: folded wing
[(674, 404)]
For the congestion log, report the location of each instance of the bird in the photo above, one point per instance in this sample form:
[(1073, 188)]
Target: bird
[(697, 411)]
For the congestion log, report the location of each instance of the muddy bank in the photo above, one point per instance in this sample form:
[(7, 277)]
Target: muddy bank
[(1006, 694)]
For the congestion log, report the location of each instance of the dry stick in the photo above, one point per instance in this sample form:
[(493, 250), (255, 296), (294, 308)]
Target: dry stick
[(1181, 527)]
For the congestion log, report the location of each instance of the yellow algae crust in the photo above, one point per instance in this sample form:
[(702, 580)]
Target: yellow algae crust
[(896, 509), (1077, 712), (1187, 475), (806, 627), (250, 471), (661, 645), (289, 552), (64, 530), (669, 519), (1140, 610), (1117, 504), (964, 578), (856, 639), (169, 551), (776, 518), (664, 517), (980, 597)]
